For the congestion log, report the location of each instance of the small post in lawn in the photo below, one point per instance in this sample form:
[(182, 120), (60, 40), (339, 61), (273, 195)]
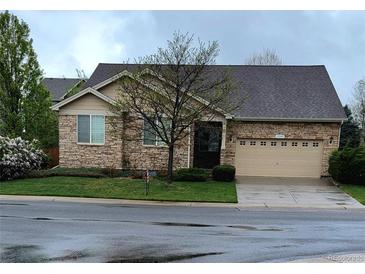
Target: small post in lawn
[(146, 182)]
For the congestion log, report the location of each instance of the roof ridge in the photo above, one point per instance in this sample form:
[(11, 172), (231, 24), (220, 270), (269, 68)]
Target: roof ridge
[(63, 78), (231, 65)]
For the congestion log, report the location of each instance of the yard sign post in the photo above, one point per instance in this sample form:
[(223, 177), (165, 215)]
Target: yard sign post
[(147, 182)]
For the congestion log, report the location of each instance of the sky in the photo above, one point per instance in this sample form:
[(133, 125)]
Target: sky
[(70, 40)]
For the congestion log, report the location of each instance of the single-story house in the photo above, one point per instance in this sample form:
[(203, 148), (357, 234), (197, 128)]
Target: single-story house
[(287, 127), (59, 88)]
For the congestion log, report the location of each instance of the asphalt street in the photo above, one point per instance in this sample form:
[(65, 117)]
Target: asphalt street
[(45, 231)]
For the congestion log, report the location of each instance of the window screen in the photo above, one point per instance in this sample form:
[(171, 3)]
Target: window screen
[(90, 129), (83, 131), (97, 129), (149, 138)]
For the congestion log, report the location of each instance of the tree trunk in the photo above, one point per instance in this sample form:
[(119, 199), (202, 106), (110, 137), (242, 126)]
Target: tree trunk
[(170, 164)]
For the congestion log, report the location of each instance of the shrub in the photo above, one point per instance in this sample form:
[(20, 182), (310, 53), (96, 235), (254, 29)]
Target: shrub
[(191, 175), (18, 156), (347, 166), (224, 173), (91, 172), (111, 172), (137, 174)]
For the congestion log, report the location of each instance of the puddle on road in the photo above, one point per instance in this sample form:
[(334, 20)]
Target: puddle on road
[(161, 259), (32, 254), (181, 224), (42, 219), (244, 227), (72, 256), (172, 224), (281, 246), (12, 204), (20, 254), (253, 228)]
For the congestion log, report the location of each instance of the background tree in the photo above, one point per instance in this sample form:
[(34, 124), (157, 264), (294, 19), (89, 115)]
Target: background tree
[(24, 101), (350, 131), (164, 87), (358, 106), (267, 57)]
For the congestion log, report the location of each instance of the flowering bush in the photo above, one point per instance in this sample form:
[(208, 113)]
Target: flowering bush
[(18, 156)]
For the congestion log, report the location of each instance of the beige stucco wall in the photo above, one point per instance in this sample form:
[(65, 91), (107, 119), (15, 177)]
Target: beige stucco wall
[(291, 130), (111, 90), (88, 103)]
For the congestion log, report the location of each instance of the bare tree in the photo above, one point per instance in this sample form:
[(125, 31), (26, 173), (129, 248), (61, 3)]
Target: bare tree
[(173, 88), (81, 74), (267, 57), (358, 106)]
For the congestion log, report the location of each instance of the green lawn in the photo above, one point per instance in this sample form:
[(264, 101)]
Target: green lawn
[(122, 188), (356, 191)]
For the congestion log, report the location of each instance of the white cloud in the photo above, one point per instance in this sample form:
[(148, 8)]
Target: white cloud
[(96, 41), (65, 41)]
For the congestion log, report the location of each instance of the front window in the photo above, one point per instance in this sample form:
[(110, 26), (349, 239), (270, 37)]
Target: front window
[(91, 129), (150, 137)]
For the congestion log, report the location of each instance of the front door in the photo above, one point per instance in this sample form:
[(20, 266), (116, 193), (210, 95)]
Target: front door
[(207, 144)]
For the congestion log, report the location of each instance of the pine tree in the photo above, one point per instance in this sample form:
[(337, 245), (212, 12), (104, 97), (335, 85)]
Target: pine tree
[(350, 131)]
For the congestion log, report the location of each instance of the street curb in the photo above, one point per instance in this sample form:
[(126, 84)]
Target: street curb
[(167, 203), (112, 201)]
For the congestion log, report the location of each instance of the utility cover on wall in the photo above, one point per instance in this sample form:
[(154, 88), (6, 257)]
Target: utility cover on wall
[(280, 136)]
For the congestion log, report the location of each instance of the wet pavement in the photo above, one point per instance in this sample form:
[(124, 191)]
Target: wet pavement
[(44, 231), (276, 192)]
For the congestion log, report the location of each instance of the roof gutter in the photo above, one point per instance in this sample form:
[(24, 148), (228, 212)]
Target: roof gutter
[(278, 119)]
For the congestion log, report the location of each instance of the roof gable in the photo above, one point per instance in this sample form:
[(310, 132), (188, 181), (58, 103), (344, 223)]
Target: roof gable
[(78, 95)]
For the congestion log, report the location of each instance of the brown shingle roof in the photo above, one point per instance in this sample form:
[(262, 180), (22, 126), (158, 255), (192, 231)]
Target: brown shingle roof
[(282, 92)]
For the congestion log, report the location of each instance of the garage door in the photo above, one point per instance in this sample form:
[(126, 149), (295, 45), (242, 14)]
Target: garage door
[(278, 158)]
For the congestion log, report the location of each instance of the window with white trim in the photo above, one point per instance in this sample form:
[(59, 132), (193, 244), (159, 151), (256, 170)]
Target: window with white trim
[(149, 137), (90, 129)]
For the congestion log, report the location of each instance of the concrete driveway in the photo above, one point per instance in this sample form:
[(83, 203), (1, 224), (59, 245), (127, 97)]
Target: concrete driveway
[(292, 192)]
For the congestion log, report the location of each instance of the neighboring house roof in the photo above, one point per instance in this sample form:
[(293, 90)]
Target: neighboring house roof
[(58, 87), (271, 92)]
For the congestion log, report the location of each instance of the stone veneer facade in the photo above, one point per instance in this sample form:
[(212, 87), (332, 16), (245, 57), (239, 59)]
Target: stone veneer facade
[(291, 130), (120, 152), (85, 155), (117, 152)]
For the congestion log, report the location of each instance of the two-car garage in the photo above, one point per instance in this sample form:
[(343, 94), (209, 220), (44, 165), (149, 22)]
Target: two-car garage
[(278, 158)]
